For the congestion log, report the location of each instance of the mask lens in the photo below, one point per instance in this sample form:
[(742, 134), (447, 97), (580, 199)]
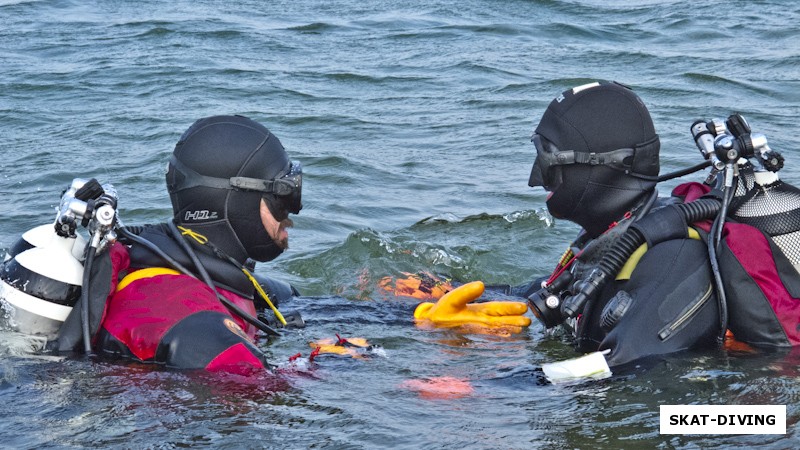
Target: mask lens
[(288, 190), (294, 203), (544, 173)]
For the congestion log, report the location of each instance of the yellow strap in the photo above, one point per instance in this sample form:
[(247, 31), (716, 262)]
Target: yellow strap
[(265, 296), (144, 273), (204, 240), (630, 264), (194, 235)]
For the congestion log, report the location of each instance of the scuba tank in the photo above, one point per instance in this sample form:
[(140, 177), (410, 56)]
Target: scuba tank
[(41, 277), (40, 237), (42, 283)]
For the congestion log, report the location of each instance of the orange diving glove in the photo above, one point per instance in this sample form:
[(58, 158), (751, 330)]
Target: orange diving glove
[(454, 309)]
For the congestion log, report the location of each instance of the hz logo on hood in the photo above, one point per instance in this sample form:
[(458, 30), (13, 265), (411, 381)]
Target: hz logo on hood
[(201, 215)]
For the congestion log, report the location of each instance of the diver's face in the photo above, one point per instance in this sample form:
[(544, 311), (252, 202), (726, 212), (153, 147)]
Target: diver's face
[(278, 231)]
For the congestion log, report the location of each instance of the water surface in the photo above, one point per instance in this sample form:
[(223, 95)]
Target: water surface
[(412, 121)]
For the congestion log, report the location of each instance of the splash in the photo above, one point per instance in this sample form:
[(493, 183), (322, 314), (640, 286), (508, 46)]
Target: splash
[(18, 344), (7, 314)]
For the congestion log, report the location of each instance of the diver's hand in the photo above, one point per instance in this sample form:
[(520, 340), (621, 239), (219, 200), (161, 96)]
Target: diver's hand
[(454, 309)]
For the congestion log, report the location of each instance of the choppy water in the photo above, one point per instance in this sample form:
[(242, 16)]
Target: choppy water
[(412, 120)]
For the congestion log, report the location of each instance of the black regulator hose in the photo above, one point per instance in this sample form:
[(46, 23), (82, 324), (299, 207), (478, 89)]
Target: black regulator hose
[(207, 279), (132, 236), (671, 175), (682, 172), (131, 232), (616, 257), (714, 239), (87, 275)]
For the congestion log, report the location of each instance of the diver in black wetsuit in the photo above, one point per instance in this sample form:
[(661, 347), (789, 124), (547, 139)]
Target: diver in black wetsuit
[(692, 282), (598, 157)]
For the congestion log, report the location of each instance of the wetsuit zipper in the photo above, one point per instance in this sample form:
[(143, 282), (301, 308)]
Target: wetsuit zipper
[(685, 315)]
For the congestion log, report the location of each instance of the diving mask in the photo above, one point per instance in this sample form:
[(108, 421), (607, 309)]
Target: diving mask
[(284, 191), (546, 171)]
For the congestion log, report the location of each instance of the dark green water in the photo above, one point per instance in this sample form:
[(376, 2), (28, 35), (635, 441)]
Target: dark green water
[(412, 120)]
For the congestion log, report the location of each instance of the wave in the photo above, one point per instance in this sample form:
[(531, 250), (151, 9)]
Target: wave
[(446, 244), (318, 27)]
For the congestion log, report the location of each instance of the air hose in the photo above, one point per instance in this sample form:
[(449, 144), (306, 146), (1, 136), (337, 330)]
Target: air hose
[(131, 234), (86, 298), (207, 279), (616, 257), (714, 238)]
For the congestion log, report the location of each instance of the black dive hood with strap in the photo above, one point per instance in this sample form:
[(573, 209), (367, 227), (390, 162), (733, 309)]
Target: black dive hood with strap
[(225, 147), (597, 152)]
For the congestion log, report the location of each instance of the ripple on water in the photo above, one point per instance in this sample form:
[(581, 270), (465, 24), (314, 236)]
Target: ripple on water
[(413, 124)]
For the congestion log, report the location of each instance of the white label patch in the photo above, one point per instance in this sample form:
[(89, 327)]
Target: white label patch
[(575, 90), (201, 215)]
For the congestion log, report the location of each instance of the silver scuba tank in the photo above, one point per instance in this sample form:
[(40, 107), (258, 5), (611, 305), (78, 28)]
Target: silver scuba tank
[(40, 280), (42, 275)]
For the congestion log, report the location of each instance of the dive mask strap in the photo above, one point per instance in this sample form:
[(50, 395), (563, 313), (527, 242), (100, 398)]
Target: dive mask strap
[(640, 159), (615, 158), (191, 179)]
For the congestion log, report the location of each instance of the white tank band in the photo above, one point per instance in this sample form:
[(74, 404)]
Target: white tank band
[(32, 304)]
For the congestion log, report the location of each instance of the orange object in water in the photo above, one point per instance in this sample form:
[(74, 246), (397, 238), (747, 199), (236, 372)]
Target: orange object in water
[(422, 286), (733, 345), (354, 347), (440, 388)]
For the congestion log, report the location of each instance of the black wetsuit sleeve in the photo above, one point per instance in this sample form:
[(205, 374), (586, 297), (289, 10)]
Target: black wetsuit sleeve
[(278, 291), (668, 305), (525, 290)]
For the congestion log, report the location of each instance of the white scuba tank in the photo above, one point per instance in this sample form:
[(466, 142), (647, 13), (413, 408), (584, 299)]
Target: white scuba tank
[(40, 281)]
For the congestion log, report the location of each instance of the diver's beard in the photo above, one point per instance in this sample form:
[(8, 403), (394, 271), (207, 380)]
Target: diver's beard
[(284, 224)]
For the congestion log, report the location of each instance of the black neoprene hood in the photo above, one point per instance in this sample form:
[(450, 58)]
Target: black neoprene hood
[(225, 147), (601, 117), (584, 124)]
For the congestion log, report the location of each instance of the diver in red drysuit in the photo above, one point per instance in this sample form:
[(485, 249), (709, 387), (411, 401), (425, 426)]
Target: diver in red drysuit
[(232, 188)]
